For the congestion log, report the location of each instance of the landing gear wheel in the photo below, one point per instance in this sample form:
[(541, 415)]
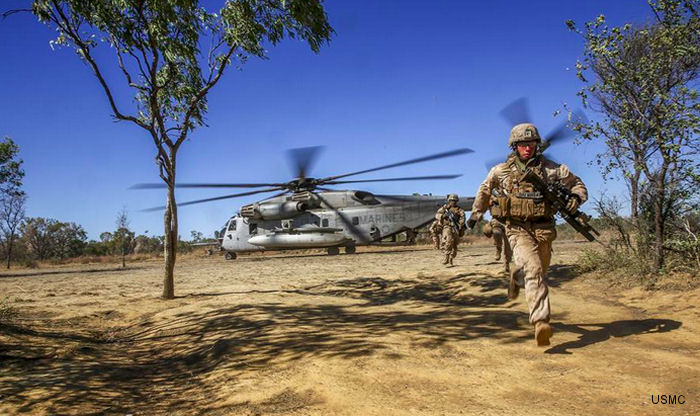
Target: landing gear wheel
[(349, 249), (230, 256), (333, 251)]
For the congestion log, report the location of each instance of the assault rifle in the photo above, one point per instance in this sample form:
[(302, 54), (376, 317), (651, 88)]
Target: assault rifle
[(454, 222), (559, 196)]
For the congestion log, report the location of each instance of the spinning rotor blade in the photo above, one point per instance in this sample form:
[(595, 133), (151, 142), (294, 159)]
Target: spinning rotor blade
[(411, 178), (343, 218), (493, 162), (204, 185), (199, 201), (563, 131), (407, 162), (303, 158), (517, 112)]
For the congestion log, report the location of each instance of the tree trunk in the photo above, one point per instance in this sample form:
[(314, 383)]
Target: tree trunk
[(659, 219), (9, 250), (123, 259), (170, 223), (634, 195)]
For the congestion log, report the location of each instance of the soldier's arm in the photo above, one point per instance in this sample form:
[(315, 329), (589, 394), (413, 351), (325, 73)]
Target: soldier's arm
[(462, 218), (483, 195), (573, 182), (440, 213)]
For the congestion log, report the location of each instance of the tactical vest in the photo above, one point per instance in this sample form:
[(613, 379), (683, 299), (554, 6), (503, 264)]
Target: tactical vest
[(522, 201), (457, 211)]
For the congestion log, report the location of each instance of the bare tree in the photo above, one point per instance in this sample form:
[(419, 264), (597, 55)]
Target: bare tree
[(11, 216), (12, 197), (123, 237)]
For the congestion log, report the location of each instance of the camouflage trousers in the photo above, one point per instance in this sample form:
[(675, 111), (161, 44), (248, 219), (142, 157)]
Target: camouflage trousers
[(435, 231), (450, 239), (532, 251), (502, 245)]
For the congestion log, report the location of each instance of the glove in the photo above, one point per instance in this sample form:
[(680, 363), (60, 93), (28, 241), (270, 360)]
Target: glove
[(573, 204)]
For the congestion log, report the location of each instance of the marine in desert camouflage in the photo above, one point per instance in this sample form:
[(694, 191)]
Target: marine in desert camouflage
[(451, 218), (529, 218)]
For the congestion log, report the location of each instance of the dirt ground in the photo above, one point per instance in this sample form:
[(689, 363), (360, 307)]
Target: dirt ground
[(387, 331)]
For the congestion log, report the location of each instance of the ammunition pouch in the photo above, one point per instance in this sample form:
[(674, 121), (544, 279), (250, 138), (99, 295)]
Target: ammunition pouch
[(529, 209), (498, 206)]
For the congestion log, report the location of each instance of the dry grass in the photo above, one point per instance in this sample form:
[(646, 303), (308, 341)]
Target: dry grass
[(7, 312), (386, 331)]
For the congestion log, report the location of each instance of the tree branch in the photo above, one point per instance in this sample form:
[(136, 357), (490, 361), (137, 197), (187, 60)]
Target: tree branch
[(64, 24), (202, 93)]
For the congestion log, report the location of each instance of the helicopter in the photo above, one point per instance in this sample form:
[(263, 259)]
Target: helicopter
[(307, 214)]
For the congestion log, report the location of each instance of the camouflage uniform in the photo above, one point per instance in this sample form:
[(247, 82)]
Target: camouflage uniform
[(435, 231), (450, 236), (529, 222), (501, 242)]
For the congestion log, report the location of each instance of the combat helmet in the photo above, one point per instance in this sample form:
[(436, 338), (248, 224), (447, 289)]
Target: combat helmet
[(452, 197), (523, 132)]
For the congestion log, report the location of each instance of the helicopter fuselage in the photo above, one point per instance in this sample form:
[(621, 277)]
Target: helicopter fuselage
[(306, 220)]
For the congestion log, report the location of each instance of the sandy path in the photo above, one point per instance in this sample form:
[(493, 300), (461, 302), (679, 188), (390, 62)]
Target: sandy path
[(378, 333)]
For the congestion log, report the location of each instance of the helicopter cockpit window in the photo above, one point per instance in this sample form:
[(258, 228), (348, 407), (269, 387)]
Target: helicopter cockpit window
[(365, 198), (232, 225), (324, 222), (252, 228), (355, 221)]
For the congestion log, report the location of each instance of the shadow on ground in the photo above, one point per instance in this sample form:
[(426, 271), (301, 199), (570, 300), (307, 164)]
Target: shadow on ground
[(166, 367), (600, 332), (292, 255), (559, 274), (70, 271)]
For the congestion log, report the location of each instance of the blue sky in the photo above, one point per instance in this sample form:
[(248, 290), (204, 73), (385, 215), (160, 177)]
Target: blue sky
[(400, 79)]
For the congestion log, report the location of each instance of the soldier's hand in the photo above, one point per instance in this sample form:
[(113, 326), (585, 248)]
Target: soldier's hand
[(473, 219), (573, 204)]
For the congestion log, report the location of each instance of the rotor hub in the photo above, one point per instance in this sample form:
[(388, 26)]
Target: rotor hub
[(302, 184)]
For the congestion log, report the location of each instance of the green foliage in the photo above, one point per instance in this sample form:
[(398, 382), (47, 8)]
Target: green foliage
[(642, 81), (628, 244), (151, 245), (617, 264), (159, 48), (11, 172), (122, 238), (48, 238), (197, 236), (97, 248), (12, 197)]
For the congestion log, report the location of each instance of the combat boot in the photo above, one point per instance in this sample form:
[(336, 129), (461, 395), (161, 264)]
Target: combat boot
[(498, 255), (543, 332), (447, 259)]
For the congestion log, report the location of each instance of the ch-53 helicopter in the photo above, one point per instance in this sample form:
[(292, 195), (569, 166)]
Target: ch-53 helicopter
[(307, 214)]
